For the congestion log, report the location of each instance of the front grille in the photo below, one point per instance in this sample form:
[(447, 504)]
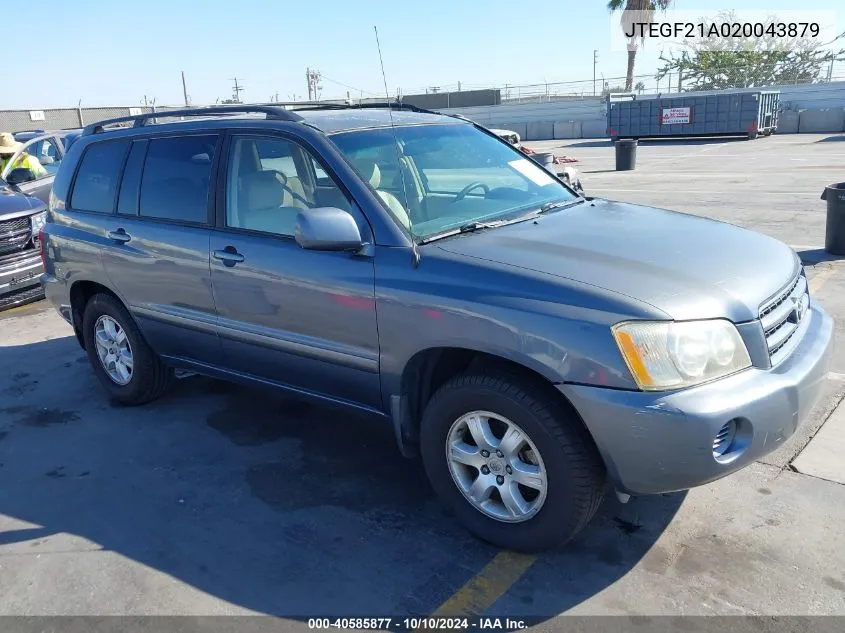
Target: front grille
[(26, 254), (782, 316), (14, 235)]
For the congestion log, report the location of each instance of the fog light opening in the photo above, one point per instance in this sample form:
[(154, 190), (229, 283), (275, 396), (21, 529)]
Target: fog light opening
[(724, 439), (732, 440)]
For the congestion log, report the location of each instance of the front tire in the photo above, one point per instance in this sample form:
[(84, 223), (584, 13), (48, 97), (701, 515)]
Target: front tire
[(126, 366), (515, 467)]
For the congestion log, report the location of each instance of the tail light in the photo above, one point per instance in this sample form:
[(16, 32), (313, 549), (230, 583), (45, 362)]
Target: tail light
[(42, 248)]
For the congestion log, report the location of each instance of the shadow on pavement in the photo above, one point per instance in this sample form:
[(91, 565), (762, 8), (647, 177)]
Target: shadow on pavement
[(599, 142), (684, 141), (271, 504), (667, 141), (817, 256), (832, 139)]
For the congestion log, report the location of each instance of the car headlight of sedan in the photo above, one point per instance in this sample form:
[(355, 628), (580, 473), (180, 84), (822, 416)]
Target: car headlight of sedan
[(669, 355), (38, 221)]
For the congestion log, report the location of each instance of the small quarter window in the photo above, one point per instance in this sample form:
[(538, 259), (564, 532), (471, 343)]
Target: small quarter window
[(95, 188)]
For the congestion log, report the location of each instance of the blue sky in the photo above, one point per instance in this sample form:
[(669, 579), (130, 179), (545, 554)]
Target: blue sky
[(113, 52)]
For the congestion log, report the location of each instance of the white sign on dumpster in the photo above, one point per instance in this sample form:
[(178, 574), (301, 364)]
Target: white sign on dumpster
[(672, 116), (36, 115)]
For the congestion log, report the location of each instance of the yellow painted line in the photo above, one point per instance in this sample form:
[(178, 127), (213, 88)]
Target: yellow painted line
[(820, 278), (16, 309), (487, 586)]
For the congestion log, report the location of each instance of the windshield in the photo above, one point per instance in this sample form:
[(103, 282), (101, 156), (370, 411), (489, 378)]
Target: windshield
[(436, 178)]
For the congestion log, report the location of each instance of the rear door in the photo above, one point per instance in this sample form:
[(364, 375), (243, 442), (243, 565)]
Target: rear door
[(306, 319), (158, 240)]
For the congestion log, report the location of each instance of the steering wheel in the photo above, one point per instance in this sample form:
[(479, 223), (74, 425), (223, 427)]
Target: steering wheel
[(473, 185)]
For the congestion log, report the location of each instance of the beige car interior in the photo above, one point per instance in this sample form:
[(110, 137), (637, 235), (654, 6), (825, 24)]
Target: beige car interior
[(370, 170), (269, 192)]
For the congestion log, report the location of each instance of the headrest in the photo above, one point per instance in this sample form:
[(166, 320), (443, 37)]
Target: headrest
[(369, 170), (263, 189)]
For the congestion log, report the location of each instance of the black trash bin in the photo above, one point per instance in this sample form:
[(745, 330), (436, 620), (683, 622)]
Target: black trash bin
[(626, 154), (834, 233)]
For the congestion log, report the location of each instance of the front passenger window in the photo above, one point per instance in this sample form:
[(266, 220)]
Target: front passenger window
[(270, 180)]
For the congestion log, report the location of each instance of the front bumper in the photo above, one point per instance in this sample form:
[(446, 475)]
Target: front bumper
[(19, 277), (654, 443)]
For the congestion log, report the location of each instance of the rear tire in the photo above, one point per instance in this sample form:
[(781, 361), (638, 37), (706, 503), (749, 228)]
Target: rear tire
[(566, 460), (143, 379)]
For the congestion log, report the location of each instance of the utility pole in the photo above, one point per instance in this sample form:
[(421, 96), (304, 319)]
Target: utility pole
[(312, 78), (185, 89), (237, 89), (595, 61)]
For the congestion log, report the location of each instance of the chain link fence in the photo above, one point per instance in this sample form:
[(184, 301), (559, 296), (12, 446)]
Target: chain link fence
[(600, 86)]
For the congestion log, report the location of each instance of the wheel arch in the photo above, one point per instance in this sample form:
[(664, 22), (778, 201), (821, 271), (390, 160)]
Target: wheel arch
[(81, 292), (427, 370)]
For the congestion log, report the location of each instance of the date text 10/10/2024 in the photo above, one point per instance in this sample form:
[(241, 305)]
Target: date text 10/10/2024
[(418, 624)]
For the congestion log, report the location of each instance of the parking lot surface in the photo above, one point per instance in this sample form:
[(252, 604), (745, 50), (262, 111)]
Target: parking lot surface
[(219, 499)]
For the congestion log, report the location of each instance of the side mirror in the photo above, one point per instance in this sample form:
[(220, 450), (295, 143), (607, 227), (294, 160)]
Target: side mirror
[(46, 160), (20, 175), (327, 229)]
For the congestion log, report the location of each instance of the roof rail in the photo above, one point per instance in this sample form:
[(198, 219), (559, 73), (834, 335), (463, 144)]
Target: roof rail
[(397, 105), (139, 120)]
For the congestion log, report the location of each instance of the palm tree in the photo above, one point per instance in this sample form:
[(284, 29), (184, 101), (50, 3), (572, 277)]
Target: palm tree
[(646, 9), (640, 87)]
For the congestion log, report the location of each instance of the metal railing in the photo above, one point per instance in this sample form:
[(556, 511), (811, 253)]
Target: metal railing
[(643, 84)]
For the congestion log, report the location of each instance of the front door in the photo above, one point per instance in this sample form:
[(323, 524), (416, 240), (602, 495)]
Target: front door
[(304, 319), (47, 151)]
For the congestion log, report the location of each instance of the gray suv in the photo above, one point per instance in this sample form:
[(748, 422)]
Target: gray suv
[(532, 345)]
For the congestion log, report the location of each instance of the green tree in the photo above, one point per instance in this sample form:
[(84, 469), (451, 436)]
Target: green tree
[(640, 87), (719, 63), (635, 11)]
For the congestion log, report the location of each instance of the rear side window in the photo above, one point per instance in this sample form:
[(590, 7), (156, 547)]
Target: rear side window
[(177, 177), (95, 188)]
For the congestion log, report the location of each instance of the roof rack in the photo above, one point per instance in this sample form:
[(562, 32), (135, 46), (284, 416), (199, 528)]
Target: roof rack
[(396, 105), (276, 112)]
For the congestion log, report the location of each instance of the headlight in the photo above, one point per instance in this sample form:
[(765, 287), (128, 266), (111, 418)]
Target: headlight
[(38, 221), (669, 355)]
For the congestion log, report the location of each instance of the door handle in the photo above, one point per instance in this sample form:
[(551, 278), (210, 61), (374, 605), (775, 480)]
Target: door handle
[(119, 235), (229, 256)]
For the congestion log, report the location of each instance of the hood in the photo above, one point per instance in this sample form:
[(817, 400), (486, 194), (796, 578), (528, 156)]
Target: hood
[(686, 266), (14, 203)]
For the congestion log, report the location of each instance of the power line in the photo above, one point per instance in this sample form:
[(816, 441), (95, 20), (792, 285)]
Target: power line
[(340, 83)]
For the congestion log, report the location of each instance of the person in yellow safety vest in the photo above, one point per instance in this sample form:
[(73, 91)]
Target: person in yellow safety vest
[(8, 147)]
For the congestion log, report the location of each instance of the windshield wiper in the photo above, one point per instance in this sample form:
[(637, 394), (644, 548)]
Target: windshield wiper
[(471, 227), (549, 206)]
